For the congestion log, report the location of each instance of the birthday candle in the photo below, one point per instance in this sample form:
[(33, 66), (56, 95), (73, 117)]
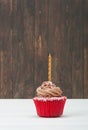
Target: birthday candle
[(49, 67)]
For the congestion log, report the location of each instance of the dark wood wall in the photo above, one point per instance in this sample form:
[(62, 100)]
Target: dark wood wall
[(62, 27)]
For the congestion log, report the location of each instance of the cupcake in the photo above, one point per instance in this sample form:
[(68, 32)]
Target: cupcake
[(49, 101)]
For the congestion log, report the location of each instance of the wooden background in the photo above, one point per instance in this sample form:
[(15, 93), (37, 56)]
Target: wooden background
[(63, 27)]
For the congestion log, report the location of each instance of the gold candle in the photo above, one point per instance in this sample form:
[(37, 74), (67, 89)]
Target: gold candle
[(49, 67)]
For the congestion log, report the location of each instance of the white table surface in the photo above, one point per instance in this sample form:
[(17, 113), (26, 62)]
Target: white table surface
[(20, 114)]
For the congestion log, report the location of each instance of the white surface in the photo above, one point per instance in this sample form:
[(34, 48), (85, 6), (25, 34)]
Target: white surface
[(20, 114)]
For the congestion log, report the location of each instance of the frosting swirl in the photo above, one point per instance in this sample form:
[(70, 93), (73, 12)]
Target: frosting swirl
[(48, 89)]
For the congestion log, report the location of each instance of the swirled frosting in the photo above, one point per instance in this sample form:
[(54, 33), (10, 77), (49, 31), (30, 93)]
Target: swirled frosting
[(48, 89)]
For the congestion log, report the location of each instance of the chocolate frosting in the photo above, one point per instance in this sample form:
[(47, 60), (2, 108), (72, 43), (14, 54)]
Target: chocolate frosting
[(48, 89)]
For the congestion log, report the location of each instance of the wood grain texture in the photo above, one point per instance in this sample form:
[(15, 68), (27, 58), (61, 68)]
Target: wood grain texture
[(85, 18), (29, 31), (41, 54), (77, 49), (5, 51), (23, 48)]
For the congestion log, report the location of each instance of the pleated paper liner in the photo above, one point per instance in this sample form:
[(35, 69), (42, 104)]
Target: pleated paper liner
[(50, 107)]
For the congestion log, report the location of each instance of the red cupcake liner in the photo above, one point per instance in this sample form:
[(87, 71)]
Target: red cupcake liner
[(50, 107)]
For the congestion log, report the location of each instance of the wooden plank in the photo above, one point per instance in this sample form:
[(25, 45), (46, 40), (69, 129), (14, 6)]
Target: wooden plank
[(77, 49), (5, 50), (54, 37), (86, 70), (41, 54), (23, 48), (59, 45), (66, 50), (85, 49), (0, 70)]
